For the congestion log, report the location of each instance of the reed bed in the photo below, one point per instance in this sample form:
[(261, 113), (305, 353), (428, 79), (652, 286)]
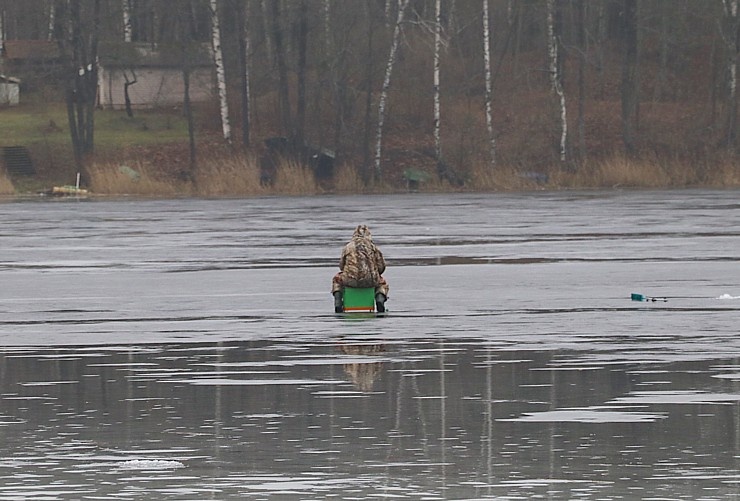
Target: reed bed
[(113, 179), (229, 176), (239, 175)]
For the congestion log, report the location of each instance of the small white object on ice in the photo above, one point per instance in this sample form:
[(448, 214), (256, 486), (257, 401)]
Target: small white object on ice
[(150, 464), (727, 296)]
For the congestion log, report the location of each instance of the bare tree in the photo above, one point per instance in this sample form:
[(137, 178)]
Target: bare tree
[(220, 72), (582, 49), (731, 37), (244, 51), (300, 125), (127, 98), (2, 30), (629, 77), (79, 49), (489, 84), (386, 85), (282, 66), (556, 77)]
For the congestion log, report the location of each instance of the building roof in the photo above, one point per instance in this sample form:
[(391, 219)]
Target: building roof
[(7, 79), (141, 55), (30, 50)]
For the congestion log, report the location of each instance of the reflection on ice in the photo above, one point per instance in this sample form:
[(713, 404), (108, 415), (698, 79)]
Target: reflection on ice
[(586, 415)]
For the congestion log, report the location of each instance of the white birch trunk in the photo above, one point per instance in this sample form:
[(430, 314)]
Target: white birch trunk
[(437, 49), (220, 74), (489, 84), (52, 15), (126, 7), (402, 4), (555, 77)]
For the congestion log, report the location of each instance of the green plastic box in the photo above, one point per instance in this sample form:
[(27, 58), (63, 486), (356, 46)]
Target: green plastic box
[(359, 299)]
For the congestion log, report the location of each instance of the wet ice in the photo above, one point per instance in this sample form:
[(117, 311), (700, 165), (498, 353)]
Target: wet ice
[(186, 349)]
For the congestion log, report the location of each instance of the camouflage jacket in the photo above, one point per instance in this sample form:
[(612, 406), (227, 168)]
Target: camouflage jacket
[(361, 263)]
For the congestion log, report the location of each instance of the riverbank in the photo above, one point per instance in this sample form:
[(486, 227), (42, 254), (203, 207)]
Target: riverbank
[(148, 155)]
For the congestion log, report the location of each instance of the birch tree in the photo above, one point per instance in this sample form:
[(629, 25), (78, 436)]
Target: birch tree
[(402, 4), (437, 111), (50, 29), (731, 37), (220, 73), (126, 10), (556, 79), (489, 85)]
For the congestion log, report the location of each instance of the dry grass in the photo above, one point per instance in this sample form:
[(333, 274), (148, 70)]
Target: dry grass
[(111, 179), (229, 176), (619, 171), (6, 187), (347, 179), (484, 177), (239, 175), (292, 178)]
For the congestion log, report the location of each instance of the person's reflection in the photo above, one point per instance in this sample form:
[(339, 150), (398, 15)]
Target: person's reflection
[(363, 374)]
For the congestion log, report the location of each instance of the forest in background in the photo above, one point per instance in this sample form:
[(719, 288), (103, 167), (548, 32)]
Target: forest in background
[(472, 92)]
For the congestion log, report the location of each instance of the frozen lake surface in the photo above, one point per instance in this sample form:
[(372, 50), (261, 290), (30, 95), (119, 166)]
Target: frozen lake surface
[(187, 349)]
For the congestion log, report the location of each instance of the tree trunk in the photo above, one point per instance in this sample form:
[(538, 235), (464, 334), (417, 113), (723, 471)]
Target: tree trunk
[(244, 49), (489, 86), (283, 92), (299, 133), (220, 73), (582, 51), (437, 111), (52, 19), (187, 108), (556, 79), (378, 173), (266, 29), (126, 97), (126, 8), (731, 36), (629, 85), (2, 33), (366, 172), (79, 48), (629, 78)]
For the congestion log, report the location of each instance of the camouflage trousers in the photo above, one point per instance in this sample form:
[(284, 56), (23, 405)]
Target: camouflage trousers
[(337, 284)]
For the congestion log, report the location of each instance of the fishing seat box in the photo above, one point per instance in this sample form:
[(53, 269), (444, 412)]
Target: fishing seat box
[(359, 299)]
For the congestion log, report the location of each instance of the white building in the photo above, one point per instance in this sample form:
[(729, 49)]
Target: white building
[(159, 82), (10, 91)]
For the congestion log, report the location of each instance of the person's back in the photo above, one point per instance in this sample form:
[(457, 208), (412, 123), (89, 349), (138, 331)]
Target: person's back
[(361, 265)]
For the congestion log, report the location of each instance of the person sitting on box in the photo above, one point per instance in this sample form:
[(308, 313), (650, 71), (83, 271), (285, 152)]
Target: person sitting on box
[(361, 265)]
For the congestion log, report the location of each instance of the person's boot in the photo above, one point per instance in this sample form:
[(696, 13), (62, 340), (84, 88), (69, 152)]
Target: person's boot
[(338, 303), (380, 302)]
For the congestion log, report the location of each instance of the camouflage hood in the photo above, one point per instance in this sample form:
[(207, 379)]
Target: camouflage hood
[(362, 232)]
